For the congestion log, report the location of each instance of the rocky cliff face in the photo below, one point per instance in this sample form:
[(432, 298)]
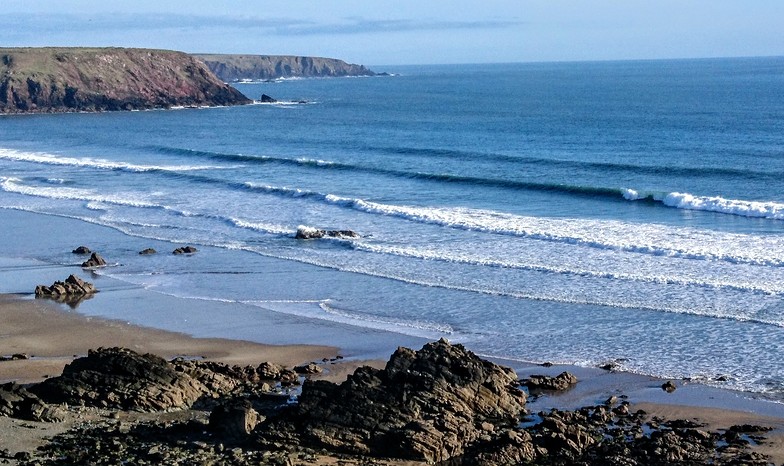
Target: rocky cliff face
[(260, 67), (47, 80)]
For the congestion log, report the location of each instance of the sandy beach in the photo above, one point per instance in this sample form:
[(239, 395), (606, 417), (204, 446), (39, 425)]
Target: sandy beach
[(51, 336)]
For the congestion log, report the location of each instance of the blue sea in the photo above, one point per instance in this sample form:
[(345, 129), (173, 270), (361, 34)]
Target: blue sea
[(575, 213)]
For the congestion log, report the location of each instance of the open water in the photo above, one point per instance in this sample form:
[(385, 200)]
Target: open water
[(570, 212)]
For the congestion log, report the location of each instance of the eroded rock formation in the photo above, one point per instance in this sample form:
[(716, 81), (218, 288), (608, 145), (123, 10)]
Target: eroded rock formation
[(74, 79)]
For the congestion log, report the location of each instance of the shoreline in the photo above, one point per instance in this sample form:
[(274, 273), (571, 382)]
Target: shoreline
[(53, 337)]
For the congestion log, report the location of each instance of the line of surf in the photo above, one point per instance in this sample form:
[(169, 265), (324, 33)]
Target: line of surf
[(88, 162)]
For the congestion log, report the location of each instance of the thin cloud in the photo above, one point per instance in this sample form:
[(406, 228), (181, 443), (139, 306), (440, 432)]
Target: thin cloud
[(59, 23)]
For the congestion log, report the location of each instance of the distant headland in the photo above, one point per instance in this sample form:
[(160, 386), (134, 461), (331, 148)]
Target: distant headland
[(54, 79), (80, 79), (232, 68)]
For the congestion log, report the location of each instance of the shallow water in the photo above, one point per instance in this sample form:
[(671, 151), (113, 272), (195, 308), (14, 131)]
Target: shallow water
[(572, 213)]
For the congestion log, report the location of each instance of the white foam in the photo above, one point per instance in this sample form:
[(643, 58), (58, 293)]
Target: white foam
[(326, 310), (14, 185), (631, 194), (50, 159), (606, 268), (606, 234), (273, 229), (643, 238), (770, 210)]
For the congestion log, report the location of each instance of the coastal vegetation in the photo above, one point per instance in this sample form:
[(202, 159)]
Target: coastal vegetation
[(262, 67), (55, 79)]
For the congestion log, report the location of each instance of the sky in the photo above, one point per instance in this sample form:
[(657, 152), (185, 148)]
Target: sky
[(410, 31)]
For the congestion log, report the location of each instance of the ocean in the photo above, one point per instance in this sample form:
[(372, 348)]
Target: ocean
[(582, 213)]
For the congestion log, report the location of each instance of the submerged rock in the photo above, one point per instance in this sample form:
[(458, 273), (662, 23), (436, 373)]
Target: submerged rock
[(185, 250), (148, 251), (82, 250)]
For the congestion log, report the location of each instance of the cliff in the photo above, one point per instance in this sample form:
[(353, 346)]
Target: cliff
[(46, 80), (259, 67)]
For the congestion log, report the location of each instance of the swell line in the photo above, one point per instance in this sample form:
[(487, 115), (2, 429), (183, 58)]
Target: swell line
[(453, 154)]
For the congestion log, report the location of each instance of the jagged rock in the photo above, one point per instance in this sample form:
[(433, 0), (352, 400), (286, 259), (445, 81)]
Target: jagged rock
[(73, 288), (562, 381), (82, 250), (95, 260), (234, 420), (427, 405), (265, 99), (269, 370), (308, 369), (123, 379), (185, 250), (148, 251), (304, 232), (120, 378), (16, 401), (669, 386)]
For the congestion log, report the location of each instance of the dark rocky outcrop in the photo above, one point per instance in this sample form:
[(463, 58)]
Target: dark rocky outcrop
[(234, 420), (147, 251), (73, 288), (120, 378), (440, 405), (82, 250), (263, 67), (562, 381), (74, 79), (18, 402), (265, 99), (95, 260), (185, 250), (314, 233), (669, 386), (428, 405)]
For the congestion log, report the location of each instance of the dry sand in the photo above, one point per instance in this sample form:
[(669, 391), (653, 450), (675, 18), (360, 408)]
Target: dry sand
[(53, 336)]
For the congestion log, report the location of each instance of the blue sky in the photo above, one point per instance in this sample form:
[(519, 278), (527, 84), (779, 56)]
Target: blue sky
[(410, 31)]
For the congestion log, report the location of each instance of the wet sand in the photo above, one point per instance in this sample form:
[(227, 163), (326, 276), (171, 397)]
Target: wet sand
[(52, 336)]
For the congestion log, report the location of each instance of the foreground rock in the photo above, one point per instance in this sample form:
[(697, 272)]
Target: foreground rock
[(74, 79), (73, 288), (562, 381), (315, 233), (18, 402), (119, 378), (428, 405), (439, 405)]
